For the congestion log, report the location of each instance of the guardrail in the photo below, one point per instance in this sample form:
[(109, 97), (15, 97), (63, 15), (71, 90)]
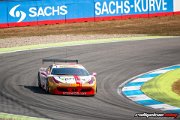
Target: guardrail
[(27, 13)]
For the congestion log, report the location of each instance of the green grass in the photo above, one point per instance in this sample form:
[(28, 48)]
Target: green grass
[(5, 116), (160, 88)]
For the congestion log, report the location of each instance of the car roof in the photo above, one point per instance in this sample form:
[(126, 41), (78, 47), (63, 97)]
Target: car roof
[(67, 65)]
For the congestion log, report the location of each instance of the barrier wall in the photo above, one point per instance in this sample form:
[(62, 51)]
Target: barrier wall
[(176, 6), (24, 13)]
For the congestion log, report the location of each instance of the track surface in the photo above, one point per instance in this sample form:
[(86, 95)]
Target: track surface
[(113, 62)]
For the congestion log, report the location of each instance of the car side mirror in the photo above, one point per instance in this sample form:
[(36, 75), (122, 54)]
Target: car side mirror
[(94, 74)]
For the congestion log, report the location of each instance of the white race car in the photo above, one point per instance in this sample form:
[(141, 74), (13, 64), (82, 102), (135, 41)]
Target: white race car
[(66, 77)]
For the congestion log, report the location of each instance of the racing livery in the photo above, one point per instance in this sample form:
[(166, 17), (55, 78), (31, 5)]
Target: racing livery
[(66, 77)]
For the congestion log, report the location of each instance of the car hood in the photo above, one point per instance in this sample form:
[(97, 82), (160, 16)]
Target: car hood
[(73, 79)]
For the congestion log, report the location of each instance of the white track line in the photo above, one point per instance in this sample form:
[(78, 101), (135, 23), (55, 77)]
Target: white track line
[(131, 88)]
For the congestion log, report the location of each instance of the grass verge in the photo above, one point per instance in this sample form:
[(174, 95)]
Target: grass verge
[(166, 26), (160, 88), (176, 87), (6, 116), (73, 43)]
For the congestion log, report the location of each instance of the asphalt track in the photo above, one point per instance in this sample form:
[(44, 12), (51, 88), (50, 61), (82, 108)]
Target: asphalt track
[(113, 62)]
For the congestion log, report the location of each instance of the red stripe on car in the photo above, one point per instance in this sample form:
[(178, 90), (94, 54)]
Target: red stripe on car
[(77, 78)]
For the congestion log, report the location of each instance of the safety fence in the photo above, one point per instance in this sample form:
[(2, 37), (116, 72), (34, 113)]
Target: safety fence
[(40, 12)]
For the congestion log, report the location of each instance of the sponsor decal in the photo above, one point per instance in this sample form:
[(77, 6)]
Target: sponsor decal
[(45, 11), (74, 93), (17, 14), (127, 7)]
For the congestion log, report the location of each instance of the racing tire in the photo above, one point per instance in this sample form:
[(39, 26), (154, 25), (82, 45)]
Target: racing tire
[(47, 87), (39, 83)]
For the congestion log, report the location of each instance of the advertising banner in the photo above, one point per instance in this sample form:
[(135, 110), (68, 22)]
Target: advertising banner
[(19, 12), (3, 14), (15, 13), (131, 7)]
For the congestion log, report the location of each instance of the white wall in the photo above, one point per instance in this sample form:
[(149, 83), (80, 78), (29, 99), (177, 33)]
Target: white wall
[(176, 5)]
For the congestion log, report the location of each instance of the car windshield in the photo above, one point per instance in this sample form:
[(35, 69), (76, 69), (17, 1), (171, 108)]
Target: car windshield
[(69, 71)]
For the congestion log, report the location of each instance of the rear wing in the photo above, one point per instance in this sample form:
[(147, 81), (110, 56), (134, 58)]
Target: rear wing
[(59, 60)]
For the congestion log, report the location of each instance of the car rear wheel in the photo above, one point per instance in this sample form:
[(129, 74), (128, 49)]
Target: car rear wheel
[(39, 82), (47, 87)]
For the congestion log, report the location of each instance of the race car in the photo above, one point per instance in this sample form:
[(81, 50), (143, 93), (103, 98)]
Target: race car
[(66, 77)]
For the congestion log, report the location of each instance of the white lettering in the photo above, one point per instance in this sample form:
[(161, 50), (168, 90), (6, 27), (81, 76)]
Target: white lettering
[(40, 12), (46, 11), (151, 5), (136, 6), (104, 8), (126, 7), (119, 6), (63, 10), (98, 9), (144, 5), (158, 5), (111, 4), (55, 10), (164, 5), (33, 12)]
